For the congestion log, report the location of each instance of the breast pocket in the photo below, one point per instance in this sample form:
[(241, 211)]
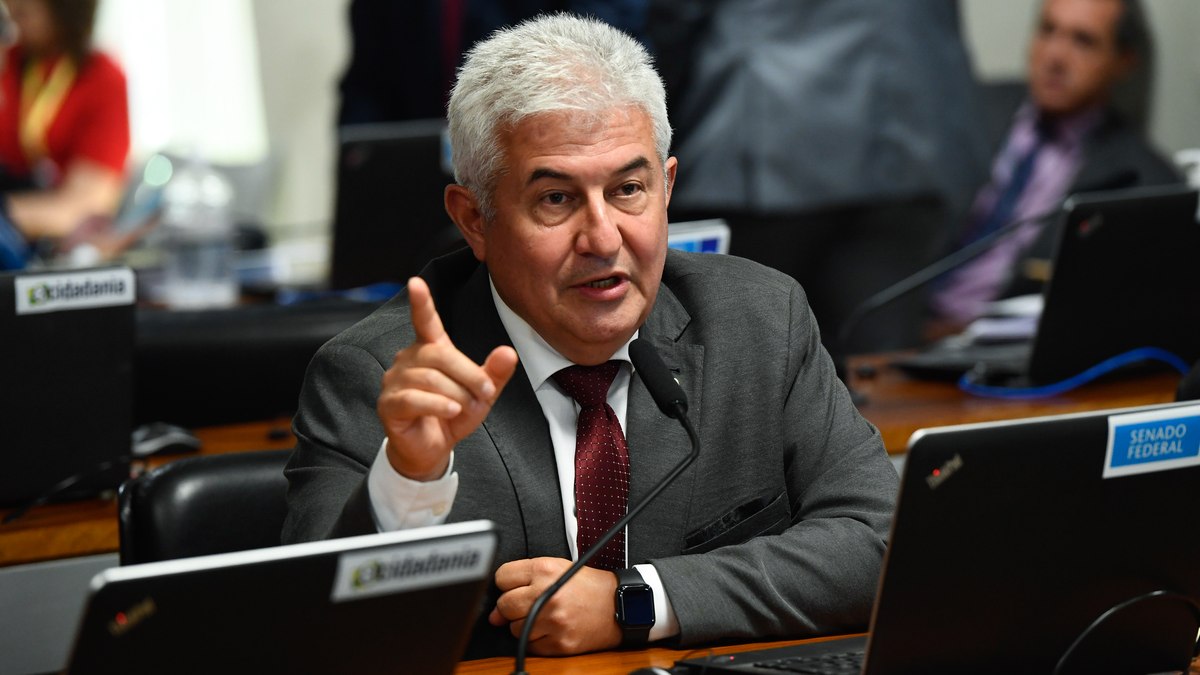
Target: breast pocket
[(765, 515)]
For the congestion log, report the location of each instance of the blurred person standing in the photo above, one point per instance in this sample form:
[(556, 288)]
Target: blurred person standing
[(839, 139), (64, 127)]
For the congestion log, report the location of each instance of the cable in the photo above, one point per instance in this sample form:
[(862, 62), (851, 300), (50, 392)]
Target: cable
[(1188, 602), (63, 485), (966, 384)]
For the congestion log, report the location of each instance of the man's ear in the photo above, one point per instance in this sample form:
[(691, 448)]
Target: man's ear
[(669, 176), (463, 208)]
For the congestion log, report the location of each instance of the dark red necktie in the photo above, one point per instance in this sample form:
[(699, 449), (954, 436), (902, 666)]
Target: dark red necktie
[(601, 461)]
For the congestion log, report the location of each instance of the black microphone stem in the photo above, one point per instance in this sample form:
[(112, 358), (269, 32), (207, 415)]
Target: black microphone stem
[(918, 279), (585, 557), (942, 265)]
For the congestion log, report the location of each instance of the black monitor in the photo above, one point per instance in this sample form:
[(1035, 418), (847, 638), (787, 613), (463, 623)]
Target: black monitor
[(389, 215), (66, 389)]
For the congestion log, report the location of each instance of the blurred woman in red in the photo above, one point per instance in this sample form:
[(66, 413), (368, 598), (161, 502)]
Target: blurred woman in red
[(64, 127)]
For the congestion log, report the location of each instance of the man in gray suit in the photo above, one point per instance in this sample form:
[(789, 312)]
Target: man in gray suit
[(447, 404)]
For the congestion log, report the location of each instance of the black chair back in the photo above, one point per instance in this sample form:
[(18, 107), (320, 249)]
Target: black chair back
[(1189, 386), (203, 505)]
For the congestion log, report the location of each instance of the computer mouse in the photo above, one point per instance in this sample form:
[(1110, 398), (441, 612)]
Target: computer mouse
[(160, 438)]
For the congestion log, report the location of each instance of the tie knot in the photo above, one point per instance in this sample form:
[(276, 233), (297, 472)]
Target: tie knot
[(588, 385)]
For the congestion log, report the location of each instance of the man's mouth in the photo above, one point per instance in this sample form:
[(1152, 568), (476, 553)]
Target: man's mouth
[(602, 283)]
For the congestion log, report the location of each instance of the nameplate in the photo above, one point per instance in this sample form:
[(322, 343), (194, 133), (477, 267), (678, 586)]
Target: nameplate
[(41, 293), (410, 567), (1157, 440)]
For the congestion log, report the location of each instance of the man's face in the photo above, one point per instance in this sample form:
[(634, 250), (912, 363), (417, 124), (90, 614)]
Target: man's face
[(579, 240), (1074, 59)]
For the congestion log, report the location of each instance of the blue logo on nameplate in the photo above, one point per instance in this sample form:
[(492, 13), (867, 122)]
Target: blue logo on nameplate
[(1155, 440)]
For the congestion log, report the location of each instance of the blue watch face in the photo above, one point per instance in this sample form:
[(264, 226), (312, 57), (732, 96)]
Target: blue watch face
[(636, 606)]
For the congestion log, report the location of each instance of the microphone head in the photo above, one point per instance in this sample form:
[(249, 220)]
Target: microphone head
[(663, 388)]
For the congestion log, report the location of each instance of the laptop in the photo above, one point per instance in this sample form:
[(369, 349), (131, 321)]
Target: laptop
[(1011, 538), (397, 602), (66, 382), (389, 218), (699, 236), (1122, 278)]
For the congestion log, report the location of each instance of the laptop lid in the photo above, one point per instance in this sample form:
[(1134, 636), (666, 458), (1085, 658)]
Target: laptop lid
[(1123, 277), (383, 603), (66, 382), (1120, 280), (389, 217), (1011, 538)]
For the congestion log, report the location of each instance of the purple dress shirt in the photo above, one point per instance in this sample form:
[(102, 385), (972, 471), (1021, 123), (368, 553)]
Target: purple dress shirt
[(966, 293)]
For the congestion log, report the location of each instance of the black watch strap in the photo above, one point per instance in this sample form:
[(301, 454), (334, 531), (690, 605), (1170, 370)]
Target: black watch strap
[(635, 607)]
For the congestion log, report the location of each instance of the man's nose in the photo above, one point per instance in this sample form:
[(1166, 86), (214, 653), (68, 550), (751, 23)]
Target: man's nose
[(599, 234)]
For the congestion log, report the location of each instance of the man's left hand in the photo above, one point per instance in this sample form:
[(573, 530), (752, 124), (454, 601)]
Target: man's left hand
[(580, 617)]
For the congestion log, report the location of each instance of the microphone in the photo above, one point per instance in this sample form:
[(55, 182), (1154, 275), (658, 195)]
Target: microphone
[(955, 259), (670, 399), (930, 272), (663, 388)]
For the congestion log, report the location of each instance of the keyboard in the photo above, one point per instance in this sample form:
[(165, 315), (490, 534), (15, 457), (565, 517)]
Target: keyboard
[(838, 663), (948, 361)]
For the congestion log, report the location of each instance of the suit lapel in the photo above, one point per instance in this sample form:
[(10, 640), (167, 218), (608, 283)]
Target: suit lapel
[(516, 425), (656, 442)]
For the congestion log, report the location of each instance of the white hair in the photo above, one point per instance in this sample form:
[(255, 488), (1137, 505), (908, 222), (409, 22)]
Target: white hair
[(551, 63)]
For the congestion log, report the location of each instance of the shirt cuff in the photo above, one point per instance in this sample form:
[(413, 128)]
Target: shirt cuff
[(400, 503), (665, 623)]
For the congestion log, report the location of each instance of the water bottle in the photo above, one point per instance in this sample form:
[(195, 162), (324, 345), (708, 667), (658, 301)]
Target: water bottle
[(198, 270)]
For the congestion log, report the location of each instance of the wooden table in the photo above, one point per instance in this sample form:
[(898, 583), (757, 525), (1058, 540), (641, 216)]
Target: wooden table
[(895, 403), (622, 662), (899, 405), (88, 527), (607, 663)]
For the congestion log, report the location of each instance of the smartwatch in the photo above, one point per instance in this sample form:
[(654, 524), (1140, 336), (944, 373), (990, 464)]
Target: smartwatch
[(635, 607)]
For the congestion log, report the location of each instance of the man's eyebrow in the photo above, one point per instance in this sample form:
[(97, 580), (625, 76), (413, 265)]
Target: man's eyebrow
[(639, 163), (538, 174)]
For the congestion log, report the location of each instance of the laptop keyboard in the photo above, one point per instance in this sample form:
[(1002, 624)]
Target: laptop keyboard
[(839, 663)]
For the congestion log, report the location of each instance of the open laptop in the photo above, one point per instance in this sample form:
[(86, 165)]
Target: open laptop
[(1122, 278), (66, 381), (1011, 538), (398, 602), (389, 218)]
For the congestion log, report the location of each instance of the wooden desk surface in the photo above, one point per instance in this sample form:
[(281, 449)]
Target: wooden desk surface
[(894, 403), (899, 405), (607, 663), (622, 662), (88, 527)]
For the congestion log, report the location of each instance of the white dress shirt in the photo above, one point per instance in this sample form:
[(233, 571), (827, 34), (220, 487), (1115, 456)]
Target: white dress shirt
[(400, 503)]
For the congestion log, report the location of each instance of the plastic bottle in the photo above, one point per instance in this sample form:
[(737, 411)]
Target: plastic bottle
[(198, 268)]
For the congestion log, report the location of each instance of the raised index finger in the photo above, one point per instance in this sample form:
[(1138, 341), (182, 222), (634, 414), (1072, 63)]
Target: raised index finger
[(426, 321)]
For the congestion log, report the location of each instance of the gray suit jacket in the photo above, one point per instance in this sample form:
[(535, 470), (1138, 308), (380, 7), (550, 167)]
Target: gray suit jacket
[(777, 529)]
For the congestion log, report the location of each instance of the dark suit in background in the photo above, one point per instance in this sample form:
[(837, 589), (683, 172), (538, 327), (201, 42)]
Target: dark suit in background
[(1087, 61), (784, 452), (1116, 155), (403, 55)]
